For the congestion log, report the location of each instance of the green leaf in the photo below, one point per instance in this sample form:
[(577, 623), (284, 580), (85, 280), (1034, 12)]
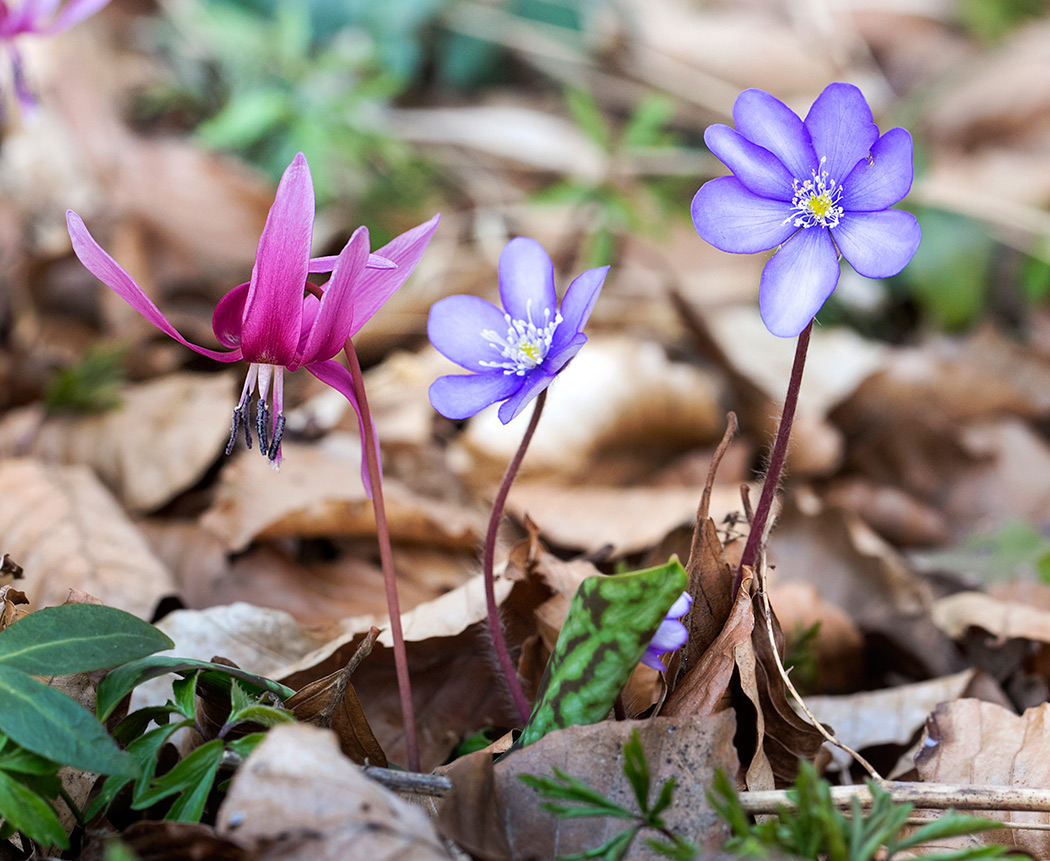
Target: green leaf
[(636, 769), (244, 745), (121, 681), (191, 779), (22, 761), (246, 118), (266, 716), (77, 638), (610, 623), (950, 824), (588, 116), (30, 814), (53, 725), (612, 850), (185, 692), (646, 125)]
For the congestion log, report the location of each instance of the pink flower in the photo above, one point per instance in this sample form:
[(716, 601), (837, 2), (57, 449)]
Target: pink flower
[(272, 322), (41, 18)]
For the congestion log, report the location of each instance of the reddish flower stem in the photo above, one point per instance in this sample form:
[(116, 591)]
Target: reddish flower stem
[(776, 459), (386, 557), (510, 673)]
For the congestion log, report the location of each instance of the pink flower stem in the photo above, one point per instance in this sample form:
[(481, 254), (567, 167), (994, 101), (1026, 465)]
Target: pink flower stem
[(386, 556), (498, 642), (776, 460)]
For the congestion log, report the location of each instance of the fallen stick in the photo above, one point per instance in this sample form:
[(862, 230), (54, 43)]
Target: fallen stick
[(932, 796)]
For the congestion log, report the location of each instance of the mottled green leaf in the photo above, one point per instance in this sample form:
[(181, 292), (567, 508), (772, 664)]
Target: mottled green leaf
[(77, 638), (610, 623)]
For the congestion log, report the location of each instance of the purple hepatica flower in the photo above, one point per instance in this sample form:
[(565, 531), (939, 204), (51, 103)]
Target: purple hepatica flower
[(514, 355), (812, 190), (271, 321), (670, 636), (41, 18)]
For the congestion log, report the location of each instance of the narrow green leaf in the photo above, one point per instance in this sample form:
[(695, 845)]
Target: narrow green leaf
[(77, 638), (185, 693), (121, 681), (22, 761), (612, 850), (610, 623), (55, 726), (636, 769), (29, 813), (192, 779), (266, 716), (588, 116)]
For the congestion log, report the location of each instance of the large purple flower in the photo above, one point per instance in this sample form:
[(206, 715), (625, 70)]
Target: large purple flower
[(273, 321), (670, 636), (514, 354), (42, 18), (813, 190)]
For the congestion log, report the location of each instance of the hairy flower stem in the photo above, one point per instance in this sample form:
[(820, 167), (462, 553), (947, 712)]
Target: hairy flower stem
[(776, 459), (498, 642), (386, 556)]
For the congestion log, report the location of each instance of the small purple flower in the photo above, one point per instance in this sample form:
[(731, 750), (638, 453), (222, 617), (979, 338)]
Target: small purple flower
[(670, 636), (41, 18), (272, 321), (812, 189), (514, 354)]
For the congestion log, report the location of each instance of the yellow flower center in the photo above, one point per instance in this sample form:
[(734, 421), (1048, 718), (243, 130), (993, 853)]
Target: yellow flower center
[(816, 201)]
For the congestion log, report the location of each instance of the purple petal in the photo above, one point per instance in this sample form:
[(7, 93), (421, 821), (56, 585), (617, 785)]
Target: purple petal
[(377, 285), (74, 12), (671, 635), (526, 280), (108, 271), (460, 396), (558, 359), (335, 317), (771, 124), (26, 99), (535, 383), (333, 374), (274, 306), (681, 606), (228, 317), (841, 128), (731, 218), (878, 244), (455, 325), (576, 306), (797, 281), (759, 171), (884, 180)]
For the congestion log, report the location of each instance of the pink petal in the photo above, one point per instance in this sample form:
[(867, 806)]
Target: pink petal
[(335, 317), (377, 285), (108, 271), (274, 306), (325, 264), (74, 12), (333, 374), (228, 317)]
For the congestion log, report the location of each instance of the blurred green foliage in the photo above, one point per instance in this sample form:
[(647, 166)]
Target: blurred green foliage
[(91, 385), (993, 19)]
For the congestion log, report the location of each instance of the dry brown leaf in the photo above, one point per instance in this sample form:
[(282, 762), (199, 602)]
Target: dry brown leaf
[(894, 514), (318, 492), (67, 531), (616, 393), (12, 602), (297, 796), (495, 815), (1003, 619), (160, 441), (177, 841), (969, 742)]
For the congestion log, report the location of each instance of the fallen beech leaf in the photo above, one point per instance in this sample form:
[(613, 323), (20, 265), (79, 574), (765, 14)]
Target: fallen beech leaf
[(615, 393), (969, 742), (318, 492), (689, 749), (158, 442), (68, 532), (1005, 620), (297, 796)]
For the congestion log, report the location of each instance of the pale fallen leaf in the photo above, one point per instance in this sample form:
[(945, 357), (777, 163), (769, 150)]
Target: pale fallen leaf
[(1004, 619), (67, 532), (161, 439), (297, 796)]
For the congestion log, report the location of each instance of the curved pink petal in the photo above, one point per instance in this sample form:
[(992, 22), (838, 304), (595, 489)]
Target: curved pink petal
[(274, 307), (731, 218), (337, 376), (797, 281), (878, 244), (760, 171), (228, 317), (768, 122), (325, 264), (526, 280), (460, 396), (885, 179), (110, 273), (335, 316), (841, 128), (455, 325)]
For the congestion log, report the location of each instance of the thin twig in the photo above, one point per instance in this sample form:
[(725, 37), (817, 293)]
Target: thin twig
[(338, 692), (925, 796), (409, 781)]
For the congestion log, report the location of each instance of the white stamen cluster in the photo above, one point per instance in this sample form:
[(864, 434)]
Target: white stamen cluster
[(525, 345), (816, 201)]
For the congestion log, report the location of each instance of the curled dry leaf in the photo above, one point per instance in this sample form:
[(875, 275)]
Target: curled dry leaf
[(616, 392), (297, 796), (12, 602), (493, 814), (319, 493), (157, 443), (67, 531), (970, 742), (1006, 620)]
